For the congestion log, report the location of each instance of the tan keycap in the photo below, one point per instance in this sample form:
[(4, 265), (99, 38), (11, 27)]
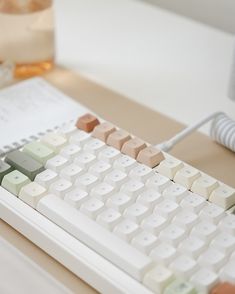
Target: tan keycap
[(103, 130), (223, 288), (150, 156), (87, 122), (118, 138), (133, 147)]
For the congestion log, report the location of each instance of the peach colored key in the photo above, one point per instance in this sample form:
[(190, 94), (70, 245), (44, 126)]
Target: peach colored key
[(133, 147), (103, 130), (87, 122), (150, 156), (118, 138), (223, 288)]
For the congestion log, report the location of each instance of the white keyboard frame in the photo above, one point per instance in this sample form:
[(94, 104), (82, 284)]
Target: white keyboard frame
[(70, 252)]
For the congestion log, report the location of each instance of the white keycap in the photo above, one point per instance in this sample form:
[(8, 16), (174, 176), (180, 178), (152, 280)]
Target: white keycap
[(212, 259), (124, 256), (186, 176), (204, 230), (87, 181), (167, 208), (141, 172), (184, 266), (85, 159), (136, 212), (154, 223), (192, 246), (175, 192), (103, 191), (80, 138), (158, 278), (204, 186), (144, 242), (56, 163), (67, 130), (212, 213), (100, 169), (204, 280), (92, 207), (109, 218), (70, 151), (169, 167), (163, 254), (224, 242), (132, 188), (223, 196), (116, 178), (109, 154), (46, 178), (125, 163), (32, 193), (193, 202), (120, 201), (126, 229), (71, 172), (60, 187), (228, 272), (76, 197), (158, 182), (54, 141), (186, 219), (228, 224), (94, 146), (172, 234), (149, 198)]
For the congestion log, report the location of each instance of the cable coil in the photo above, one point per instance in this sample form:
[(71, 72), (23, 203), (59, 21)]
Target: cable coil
[(223, 131)]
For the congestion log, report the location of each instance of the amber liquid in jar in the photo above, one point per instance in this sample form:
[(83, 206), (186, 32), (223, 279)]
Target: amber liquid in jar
[(27, 36)]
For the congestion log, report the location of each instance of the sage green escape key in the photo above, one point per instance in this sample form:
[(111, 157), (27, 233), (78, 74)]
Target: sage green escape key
[(38, 151), (5, 168), (24, 163)]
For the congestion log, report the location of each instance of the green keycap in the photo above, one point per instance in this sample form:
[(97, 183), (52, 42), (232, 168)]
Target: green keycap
[(24, 163), (4, 169), (38, 151), (14, 181), (180, 287)]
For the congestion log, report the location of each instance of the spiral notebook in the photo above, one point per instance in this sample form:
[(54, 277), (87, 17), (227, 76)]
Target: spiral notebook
[(31, 108)]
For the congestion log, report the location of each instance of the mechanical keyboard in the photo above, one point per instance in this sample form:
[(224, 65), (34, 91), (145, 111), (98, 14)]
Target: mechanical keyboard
[(119, 213)]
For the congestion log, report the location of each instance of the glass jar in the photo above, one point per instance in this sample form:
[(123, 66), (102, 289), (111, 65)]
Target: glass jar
[(27, 36)]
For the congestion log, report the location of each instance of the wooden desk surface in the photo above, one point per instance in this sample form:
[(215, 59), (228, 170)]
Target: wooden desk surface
[(197, 150)]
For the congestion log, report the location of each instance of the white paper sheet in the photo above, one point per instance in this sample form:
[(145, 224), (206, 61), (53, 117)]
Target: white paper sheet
[(33, 106)]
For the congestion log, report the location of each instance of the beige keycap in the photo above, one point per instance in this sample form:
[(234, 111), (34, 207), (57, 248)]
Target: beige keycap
[(118, 138), (32, 193), (204, 185), (224, 196), (186, 176), (133, 147), (87, 122), (169, 167), (150, 156), (103, 130)]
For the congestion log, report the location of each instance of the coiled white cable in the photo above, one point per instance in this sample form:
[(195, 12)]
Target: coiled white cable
[(222, 131)]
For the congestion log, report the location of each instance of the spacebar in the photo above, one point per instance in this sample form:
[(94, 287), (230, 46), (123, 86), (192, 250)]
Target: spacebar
[(96, 237)]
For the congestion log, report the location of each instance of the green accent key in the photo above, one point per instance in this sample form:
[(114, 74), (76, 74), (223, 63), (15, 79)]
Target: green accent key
[(14, 181), (180, 287), (38, 151), (4, 169), (24, 163)]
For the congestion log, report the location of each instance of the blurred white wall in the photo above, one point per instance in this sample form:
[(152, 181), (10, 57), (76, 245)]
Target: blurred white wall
[(216, 13)]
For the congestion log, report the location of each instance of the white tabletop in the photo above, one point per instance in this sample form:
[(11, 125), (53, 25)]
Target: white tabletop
[(167, 62)]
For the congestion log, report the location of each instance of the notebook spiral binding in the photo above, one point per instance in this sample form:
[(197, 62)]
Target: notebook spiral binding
[(19, 144)]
